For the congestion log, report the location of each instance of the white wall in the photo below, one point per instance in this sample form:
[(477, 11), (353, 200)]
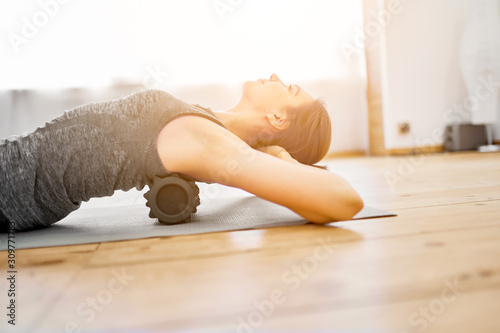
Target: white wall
[(422, 75)]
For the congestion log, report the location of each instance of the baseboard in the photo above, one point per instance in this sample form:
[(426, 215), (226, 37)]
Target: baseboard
[(393, 151), (347, 153), (417, 150), (389, 152)]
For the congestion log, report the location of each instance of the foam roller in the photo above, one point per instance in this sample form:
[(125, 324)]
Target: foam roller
[(172, 199)]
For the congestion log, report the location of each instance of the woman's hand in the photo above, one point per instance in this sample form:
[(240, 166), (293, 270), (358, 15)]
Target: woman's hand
[(278, 152)]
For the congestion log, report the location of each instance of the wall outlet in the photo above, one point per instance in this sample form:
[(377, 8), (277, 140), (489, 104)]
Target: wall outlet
[(404, 128)]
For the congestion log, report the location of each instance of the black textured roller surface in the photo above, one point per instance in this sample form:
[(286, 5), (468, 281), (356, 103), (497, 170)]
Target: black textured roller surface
[(172, 199)]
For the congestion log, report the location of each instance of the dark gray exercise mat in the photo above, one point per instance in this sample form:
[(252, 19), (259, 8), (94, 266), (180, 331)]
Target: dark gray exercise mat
[(124, 216)]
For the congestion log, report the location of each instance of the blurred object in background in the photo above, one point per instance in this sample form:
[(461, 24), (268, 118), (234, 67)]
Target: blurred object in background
[(460, 137)]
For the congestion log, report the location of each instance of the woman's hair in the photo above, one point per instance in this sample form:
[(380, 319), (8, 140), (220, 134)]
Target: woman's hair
[(308, 136)]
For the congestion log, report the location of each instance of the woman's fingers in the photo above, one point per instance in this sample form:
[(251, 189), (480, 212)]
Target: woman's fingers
[(272, 150), (278, 152)]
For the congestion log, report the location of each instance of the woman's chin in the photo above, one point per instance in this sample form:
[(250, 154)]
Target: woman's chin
[(248, 86)]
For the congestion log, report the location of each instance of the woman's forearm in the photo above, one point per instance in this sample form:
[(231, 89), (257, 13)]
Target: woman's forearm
[(317, 195), (355, 202)]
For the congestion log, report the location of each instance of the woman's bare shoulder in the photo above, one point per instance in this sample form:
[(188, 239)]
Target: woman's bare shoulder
[(189, 139)]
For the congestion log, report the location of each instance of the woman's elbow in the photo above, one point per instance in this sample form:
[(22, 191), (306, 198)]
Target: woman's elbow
[(345, 210), (353, 206)]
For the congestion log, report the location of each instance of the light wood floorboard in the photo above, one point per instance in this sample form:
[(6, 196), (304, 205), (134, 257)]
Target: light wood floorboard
[(433, 268)]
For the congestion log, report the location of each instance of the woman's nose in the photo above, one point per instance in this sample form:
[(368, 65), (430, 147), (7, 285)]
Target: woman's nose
[(275, 77)]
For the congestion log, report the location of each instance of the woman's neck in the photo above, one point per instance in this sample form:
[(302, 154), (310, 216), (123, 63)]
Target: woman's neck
[(242, 121)]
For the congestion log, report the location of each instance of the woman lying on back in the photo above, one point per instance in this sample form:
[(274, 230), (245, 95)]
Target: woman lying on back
[(266, 145)]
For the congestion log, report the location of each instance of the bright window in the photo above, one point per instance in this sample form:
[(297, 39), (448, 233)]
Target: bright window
[(93, 43)]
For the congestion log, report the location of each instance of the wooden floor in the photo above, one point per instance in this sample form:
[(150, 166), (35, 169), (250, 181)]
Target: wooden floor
[(433, 268)]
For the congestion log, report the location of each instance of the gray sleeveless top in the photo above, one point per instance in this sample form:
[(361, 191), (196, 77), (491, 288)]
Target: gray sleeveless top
[(89, 151)]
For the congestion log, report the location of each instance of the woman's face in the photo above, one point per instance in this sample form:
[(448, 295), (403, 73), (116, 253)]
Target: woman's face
[(269, 94)]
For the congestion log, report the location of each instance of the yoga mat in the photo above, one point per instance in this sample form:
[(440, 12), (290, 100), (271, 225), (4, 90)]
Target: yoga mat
[(125, 216)]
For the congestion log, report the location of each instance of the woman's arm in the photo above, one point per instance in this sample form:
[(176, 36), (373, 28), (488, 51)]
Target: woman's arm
[(204, 150)]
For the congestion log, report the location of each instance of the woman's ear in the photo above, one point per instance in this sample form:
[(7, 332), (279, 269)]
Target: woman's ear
[(278, 120)]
